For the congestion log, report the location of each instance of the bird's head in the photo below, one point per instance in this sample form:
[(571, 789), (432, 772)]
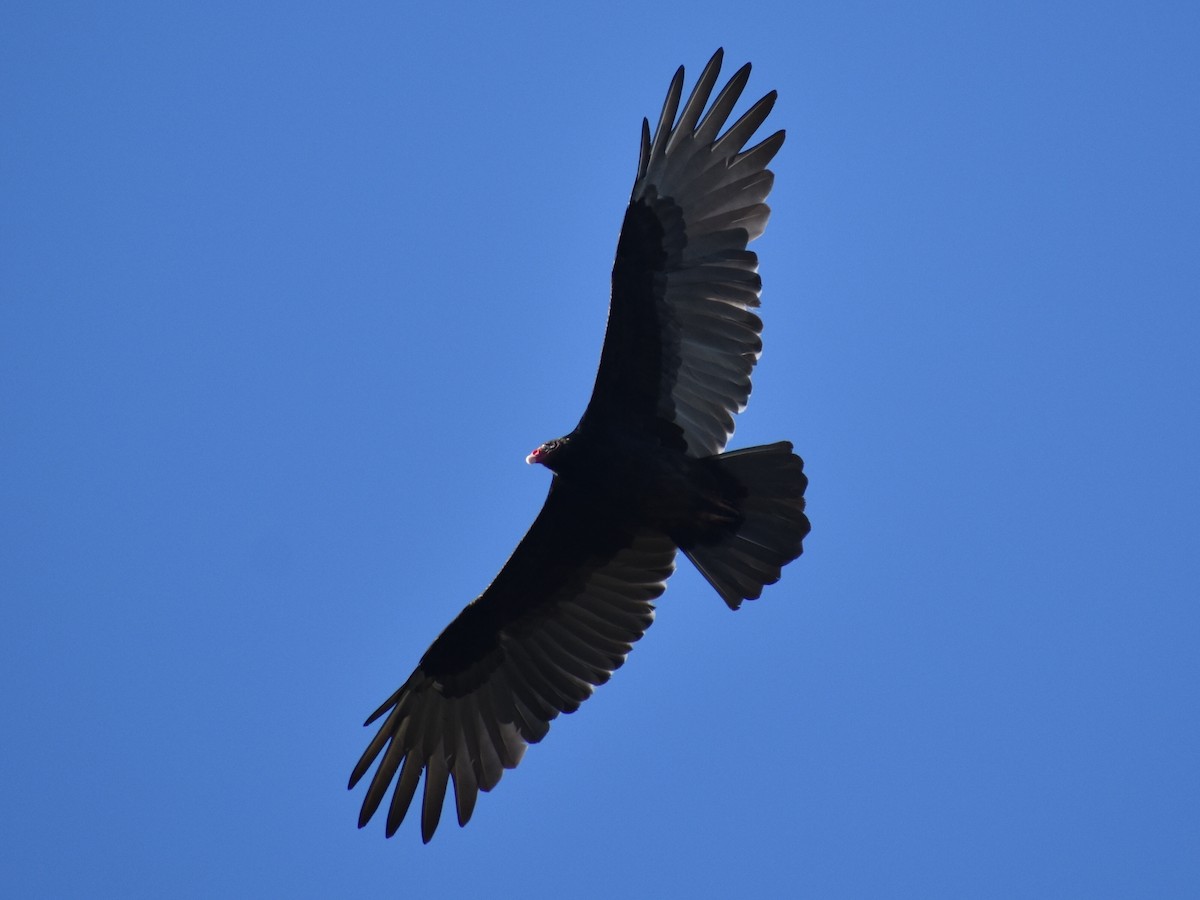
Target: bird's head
[(546, 453)]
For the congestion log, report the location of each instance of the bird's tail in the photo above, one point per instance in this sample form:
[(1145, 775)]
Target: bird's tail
[(771, 524)]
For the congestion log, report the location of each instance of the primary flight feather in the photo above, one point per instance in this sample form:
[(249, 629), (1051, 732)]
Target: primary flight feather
[(641, 476)]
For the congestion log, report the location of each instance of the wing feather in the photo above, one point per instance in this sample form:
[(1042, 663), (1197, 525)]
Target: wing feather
[(697, 100), (659, 147), (558, 620), (406, 787), (465, 772), (718, 114), (681, 341)]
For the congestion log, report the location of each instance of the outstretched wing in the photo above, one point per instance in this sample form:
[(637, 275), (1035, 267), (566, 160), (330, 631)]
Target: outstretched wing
[(682, 339), (557, 621)]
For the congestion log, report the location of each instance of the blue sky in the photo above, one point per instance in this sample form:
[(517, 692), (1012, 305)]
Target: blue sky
[(287, 293)]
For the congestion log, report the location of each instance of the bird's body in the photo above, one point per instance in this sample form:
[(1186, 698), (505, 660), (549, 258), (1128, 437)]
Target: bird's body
[(642, 476), (632, 476)]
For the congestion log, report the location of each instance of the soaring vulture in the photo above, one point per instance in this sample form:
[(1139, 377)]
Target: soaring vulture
[(642, 475)]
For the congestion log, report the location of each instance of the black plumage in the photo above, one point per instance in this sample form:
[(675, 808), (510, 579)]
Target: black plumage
[(642, 475)]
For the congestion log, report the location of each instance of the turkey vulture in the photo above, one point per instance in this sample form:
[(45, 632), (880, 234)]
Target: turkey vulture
[(642, 475)]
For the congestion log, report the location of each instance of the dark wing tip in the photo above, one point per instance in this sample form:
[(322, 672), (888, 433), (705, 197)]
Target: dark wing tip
[(643, 149)]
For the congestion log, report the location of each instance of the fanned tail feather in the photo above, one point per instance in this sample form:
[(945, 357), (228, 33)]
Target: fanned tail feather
[(772, 527)]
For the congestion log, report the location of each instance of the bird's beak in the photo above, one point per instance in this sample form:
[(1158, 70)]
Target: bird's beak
[(532, 458)]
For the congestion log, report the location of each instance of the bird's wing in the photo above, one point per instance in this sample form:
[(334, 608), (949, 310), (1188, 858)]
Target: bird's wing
[(557, 621), (682, 338)]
